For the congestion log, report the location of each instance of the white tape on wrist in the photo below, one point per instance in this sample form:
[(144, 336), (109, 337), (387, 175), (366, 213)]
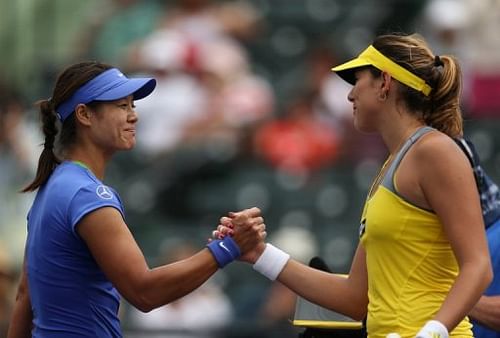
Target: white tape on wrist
[(271, 262), (433, 329)]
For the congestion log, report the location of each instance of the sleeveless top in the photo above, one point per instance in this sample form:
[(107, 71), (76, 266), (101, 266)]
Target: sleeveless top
[(411, 266)]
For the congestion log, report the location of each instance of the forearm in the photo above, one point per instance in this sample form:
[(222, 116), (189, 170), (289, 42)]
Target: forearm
[(331, 291), (465, 293), (21, 323), (487, 312), (164, 284)]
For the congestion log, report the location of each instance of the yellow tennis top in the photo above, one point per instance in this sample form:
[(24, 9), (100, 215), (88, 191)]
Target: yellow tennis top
[(411, 266)]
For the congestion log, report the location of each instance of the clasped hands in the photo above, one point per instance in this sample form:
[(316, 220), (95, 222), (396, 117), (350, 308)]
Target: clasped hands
[(247, 229)]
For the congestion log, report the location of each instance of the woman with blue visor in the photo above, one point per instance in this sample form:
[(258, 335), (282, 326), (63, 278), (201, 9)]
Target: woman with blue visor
[(80, 256)]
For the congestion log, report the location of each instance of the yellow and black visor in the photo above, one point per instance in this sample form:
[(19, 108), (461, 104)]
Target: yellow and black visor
[(372, 57)]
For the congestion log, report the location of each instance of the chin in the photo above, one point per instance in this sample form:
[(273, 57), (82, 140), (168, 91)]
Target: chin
[(128, 146), (364, 129)]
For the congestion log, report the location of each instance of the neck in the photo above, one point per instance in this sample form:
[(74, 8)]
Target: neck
[(92, 161), (395, 136)]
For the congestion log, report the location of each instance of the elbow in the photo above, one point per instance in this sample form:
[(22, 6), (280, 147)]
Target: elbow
[(139, 293), (359, 316), (487, 272), (489, 276), (146, 293), (143, 300), (480, 267), (146, 299), (143, 305), (359, 313), (354, 311), (358, 309)]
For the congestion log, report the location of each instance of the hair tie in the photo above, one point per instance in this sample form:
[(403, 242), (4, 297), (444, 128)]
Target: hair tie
[(50, 103), (438, 62), (48, 146)]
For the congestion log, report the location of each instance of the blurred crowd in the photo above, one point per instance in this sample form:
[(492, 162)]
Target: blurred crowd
[(246, 112)]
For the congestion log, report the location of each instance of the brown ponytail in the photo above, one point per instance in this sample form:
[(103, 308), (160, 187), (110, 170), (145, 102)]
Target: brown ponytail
[(67, 83), (446, 115), (441, 108)]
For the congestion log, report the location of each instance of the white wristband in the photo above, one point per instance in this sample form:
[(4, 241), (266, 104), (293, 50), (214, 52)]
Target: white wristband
[(393, 335), (271, 262), (433, 329)]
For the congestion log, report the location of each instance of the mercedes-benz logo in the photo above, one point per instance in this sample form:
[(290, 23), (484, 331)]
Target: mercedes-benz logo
[(104, 192)]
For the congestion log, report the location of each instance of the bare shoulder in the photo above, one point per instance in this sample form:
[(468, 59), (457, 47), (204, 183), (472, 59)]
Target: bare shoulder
[(436, 149), (443, 173)]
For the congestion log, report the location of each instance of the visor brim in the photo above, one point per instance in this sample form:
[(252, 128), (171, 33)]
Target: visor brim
[(138, 87), (347, 69)]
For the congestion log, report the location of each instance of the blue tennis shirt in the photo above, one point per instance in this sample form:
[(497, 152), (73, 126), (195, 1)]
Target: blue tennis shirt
[(70, 295), (493, 234), (490, 205)]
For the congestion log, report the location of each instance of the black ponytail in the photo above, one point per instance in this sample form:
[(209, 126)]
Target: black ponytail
[(48, 160)]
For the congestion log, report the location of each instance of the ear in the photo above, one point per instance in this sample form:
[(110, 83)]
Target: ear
[(385, 85), (83, 114), (386, 81)]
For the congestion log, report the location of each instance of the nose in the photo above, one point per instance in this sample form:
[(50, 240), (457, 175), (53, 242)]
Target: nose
[(350, 97), (133, 117)]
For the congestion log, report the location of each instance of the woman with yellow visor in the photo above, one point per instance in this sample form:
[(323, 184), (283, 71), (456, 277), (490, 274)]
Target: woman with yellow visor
[(422, 261)]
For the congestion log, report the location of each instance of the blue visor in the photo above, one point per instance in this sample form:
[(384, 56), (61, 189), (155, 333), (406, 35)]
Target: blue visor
[(108, 86)]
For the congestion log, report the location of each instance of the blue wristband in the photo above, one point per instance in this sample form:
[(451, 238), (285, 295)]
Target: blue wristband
[(225, 251)]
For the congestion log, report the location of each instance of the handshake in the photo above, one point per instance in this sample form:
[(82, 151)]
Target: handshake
[(241, 235)]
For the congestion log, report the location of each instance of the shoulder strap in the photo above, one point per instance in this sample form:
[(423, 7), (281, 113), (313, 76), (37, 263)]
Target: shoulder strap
[(467, 150), (388, 180), (473, 159), (489, 193)]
